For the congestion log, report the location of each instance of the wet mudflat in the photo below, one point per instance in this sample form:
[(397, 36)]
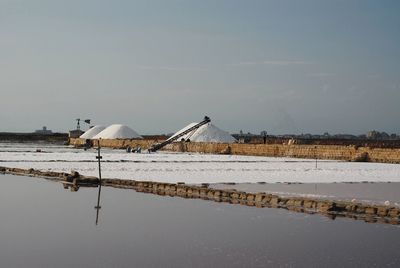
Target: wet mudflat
[(43, 225)]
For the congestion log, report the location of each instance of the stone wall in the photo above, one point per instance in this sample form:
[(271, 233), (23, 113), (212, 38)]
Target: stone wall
[(330, 152), (116, 144), (372, 143), (333, 152)]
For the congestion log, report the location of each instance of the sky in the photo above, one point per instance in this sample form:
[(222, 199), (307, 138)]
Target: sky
[(309, 66)]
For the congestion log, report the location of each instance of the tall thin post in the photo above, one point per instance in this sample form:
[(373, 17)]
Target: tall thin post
[(98, 207), (99, 157), (316, 157)]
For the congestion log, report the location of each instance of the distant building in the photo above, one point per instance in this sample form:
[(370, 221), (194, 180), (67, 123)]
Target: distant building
[(246, 138), (372, 134), (76, 133), (44, 130), (376, 135), (345, 136)]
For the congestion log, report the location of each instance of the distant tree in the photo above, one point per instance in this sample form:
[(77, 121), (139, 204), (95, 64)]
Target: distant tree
[(384, 135), (372, 134)]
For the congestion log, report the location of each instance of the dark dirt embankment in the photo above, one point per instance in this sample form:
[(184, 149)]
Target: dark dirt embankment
[(33, 137)]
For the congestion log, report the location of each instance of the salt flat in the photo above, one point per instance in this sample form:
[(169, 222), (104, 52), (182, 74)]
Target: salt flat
[(193, 168)]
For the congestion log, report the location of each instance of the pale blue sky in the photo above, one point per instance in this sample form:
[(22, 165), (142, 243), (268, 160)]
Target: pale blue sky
[(281, 66)]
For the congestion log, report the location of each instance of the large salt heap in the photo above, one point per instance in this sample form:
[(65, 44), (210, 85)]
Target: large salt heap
[(185, 137), (211, 133), (89, 134), (118, 131), (206, 133)]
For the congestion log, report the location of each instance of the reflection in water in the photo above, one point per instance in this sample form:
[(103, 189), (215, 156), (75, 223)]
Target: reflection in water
[(140, 230), (69, 185), (98, 207), (75, 188)]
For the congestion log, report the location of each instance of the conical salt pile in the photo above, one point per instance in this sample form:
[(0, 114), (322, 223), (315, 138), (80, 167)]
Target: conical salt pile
[(206, 133), (182, 130), (118, 131), (92, 132), (210, 133)]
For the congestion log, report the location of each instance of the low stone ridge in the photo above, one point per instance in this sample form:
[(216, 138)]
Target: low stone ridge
[(330, 208), (73, 177), (330, 152), (116, 143)]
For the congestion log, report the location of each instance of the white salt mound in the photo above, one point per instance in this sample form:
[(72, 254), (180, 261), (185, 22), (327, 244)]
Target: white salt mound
[(118, 131), (89, 134), (210, 133), (206, 133), (185, 137)]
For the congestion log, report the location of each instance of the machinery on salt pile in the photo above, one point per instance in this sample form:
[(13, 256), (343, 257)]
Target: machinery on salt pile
[(158, 146)]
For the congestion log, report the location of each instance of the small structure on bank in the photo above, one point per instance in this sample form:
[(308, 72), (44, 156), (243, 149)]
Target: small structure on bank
[(76, 133), (44, 131), (92, 132), (117, 131), (206, 133)]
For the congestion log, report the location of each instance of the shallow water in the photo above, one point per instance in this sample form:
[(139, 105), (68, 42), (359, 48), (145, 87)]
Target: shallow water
[(43, 225)]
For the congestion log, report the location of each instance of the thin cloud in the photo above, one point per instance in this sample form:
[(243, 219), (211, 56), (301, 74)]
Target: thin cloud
[(321, 74), (374, 76), (272, 62), (247, 63), (169, 68), (325, 88)]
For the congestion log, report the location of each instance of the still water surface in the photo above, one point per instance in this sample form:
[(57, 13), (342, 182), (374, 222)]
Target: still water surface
[(43, 225)]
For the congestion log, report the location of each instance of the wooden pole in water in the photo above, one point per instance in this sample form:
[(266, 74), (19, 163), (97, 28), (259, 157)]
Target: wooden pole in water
[(98, 207)]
